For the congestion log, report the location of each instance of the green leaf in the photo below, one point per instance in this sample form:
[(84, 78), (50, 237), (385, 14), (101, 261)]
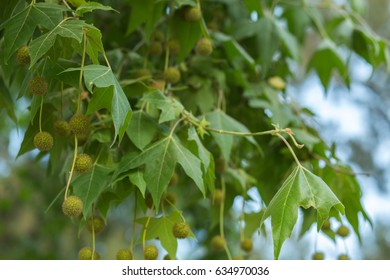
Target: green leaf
[(325, 60), (142, 129), (289, 41), (103, 77), (253, 5), (137, 179), (268, 40), (69, 29), (90, 185), (162, 229), (169, 106), (94, 43), (20, 28), (101, 99), (252, 221), (301, 188), (220, 120), (6, 101), (91, 6)]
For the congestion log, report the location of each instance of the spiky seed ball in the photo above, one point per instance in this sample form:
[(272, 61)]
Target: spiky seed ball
[(83, 163), (204, 47), (181, 230), (170, 198), (172, 75), (86, 254), (62, 128), (318, 256), (72, 206), (247, 244), (218, 196), (97, 222), (151, 252), (277, 82), (173, 46), (192, 14), (218, 243), (174, 179), (43, 141), (158, 36), (343, 231), (326, 225), (155, 48), (79, 124), (23, 55), (124, 254), (343, 257), (38, 86)]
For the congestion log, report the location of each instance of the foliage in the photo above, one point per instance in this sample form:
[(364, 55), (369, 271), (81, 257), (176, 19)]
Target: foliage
[(228, 124)]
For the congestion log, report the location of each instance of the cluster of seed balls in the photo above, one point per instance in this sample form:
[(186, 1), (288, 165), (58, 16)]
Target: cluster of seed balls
[(343, 231)]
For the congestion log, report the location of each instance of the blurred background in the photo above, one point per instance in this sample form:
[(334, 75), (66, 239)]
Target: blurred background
[(356, 119)]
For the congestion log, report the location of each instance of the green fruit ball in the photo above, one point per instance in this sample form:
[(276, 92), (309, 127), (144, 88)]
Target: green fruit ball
[(172, 75), (38, 86), (318, 256), (218, 196), (23, 55), (72, 206), (97, 223), (218, 243), (158, 36), (124, 254), (83, 163), (43, 141), (192, 14), (155, 48), (173, 46), (247, 244), (343, 257), (86, 254), (79, 125), (204, 47), (150, 252), (343, 231), (181, 230), (62, 128)]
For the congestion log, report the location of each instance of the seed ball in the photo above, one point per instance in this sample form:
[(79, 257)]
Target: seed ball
[(318, 256), (277, 83), (62, 128), (173, 46), (158, 36), (218, 196), (97, 222), (247, 244), (326, 225), (38, 86), (151, 252), (218, 243), (192, 14), (172, 75), (124, 254), (343, 231), (23, 55), (86, 254), (181, 230), (72, 206), (343, 257), (204, 47), (80, 125), (83, 163), (43, 141), (155, 48)]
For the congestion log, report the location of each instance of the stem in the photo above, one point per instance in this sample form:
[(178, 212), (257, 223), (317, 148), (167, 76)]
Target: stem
[(133, 222), (72, 168), (221, 214), (290, 148), (40, 115), (166, 64), (81, 71), (93, 239), (62, 100), (146, 227), (174, 126)]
